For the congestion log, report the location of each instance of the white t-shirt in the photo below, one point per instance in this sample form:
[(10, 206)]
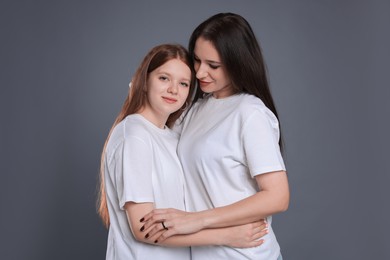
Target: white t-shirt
[(141, 165), (224, 143)]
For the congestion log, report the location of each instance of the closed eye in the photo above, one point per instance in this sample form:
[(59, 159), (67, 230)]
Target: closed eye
[(212, 64), (214, 67), (163, 78)]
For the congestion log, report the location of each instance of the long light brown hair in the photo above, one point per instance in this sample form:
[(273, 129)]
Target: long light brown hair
[(137, 99)]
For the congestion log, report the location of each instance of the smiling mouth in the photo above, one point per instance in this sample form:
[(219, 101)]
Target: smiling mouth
[(169, 100), (203, 83)]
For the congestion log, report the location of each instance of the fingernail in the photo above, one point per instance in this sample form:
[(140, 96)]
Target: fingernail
[(147, 235), (155, 241), (141, 220), (142, 228)]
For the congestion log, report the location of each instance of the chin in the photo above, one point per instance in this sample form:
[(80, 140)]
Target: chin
[(171, 111), (207, 89)]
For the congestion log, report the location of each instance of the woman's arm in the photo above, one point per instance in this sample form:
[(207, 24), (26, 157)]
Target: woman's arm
[(241, 236), (272, 198)]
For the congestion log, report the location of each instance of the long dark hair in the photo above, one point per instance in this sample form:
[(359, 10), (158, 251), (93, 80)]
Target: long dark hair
[(240, 53), (137, 98)]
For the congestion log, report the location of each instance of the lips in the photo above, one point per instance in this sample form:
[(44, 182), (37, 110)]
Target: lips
[(169, 100), (204, 83)]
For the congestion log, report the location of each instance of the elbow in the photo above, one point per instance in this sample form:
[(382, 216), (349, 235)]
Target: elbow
[(284, 206), (283, 203), (143, 237), (284, 199), (140, 237)]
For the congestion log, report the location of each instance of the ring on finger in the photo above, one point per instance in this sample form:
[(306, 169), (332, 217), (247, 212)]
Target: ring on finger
[(162, 223)]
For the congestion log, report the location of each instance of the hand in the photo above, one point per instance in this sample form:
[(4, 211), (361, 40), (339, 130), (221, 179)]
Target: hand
[(245, 236), (175, 221)]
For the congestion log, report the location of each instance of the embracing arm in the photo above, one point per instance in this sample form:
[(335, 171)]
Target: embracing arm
[(272, 198), (240, 236)]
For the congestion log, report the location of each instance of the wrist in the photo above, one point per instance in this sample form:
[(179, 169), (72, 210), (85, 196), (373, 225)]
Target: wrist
[(222, 237), (208, 219), (204, 217)]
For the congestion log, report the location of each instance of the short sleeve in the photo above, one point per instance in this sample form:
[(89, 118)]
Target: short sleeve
[(261, 143), (134, 171)]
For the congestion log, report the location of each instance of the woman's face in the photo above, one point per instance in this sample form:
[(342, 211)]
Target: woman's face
[(210, 71), (168, 88)]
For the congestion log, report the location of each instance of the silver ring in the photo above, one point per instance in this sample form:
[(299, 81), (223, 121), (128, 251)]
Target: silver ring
[(162, 223)]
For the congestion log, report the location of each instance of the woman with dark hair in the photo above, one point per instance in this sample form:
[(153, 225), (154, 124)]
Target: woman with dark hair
[(140, 169), (230, 145)]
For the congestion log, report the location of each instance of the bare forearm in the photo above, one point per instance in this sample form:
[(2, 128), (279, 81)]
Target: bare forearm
[(253, 208), (205, 237), (201, 238), (242, 236), (273, 198)]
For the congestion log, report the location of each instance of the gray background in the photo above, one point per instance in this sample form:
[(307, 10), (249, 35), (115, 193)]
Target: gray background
[(65, 67)]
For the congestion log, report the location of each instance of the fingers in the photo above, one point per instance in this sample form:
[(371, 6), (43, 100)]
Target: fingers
[(151, 214), (158, 218), (155, 229), (164, 236), (154, 219), (158, 233), (256, 243), (260, 234), (154, 212), (259, 230), (263, 225)]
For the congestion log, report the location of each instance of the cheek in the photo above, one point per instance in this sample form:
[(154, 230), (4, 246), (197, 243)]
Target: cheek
[(196, 66), (185, 92)]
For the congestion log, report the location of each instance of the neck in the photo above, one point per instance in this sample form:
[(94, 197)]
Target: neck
[(156, 119)]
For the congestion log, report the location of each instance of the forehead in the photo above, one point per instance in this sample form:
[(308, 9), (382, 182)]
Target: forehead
[(175, 67), (205, 49)]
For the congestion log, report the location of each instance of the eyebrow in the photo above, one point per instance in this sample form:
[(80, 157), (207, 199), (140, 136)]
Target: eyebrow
[(209, 61), (168, 74)]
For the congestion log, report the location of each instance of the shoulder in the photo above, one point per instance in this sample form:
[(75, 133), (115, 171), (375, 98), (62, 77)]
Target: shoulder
[(129, 136), (130, 129), (131, 125), (248, 102), (135, 125), (252, 107)]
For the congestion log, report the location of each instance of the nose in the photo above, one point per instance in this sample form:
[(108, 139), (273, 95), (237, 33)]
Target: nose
[(173, 88), (201, 71)]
